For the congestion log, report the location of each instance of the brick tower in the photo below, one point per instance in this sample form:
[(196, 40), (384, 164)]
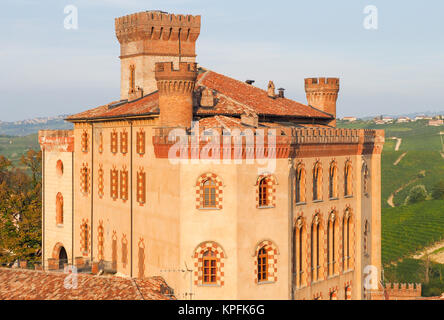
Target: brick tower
[(147, 38), (176, 93), (322, 93)]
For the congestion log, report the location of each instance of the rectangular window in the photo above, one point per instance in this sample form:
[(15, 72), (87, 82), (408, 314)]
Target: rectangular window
[(209, 271)]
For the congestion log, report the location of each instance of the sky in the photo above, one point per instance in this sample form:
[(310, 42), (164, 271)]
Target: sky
[(398, 68)]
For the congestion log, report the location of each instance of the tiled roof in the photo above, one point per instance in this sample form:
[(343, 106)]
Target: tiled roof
[(21, 284), (232, 97), (148, 104), (235, 97)]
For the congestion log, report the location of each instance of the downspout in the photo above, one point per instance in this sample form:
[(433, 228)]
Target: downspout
[(92, 192), (291, 229), (131, 197), (43, 207), (72, 207)]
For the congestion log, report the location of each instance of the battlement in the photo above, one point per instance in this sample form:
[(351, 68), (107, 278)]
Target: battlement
[(288, 141), (165, 71), (318, 83), (403, 291), (156, 25)]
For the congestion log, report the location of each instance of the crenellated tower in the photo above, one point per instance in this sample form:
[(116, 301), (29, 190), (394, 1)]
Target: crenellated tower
[(147, 38), (176, 88), (322, 93)]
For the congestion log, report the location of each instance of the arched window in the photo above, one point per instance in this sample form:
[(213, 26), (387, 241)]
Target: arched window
[(317, 182), (332, 244), (209, 190), (348, 179), (333, 295), (265, 262), (59, 168), (366, 233), (348, 292), (100, 241), (365, 174), (262, 265), (59, 209), (300, 184), (300, 262), (346, 240), (333, 181), (209, 267), (209, 259), (84, 239), (316, 251), (263, 193), (84, 179)]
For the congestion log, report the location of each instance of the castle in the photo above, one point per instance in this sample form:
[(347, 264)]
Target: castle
[(265, 198)]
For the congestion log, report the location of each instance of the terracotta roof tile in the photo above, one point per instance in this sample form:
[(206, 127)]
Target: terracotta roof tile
[(233, 97), (21, 284), (240, 95)]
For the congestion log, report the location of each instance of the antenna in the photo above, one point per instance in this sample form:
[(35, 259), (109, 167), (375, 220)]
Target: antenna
[(190, 271)]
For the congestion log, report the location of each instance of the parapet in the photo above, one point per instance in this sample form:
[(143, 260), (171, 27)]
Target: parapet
[(402, 291), (156, 25), (165, 71), (322, 83)]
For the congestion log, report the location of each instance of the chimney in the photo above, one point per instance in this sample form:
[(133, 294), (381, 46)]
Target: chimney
[(176, 89), (207, 98), (322, 93), (270, 89), (149, 37), (281, 93)]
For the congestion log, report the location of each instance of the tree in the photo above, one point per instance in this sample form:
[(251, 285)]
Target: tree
[(20, 210), (438, 191), (417, 194)]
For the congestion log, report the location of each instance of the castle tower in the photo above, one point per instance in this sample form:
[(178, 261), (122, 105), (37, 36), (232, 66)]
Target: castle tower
[(147, 38), (322, 93), (176, 88)]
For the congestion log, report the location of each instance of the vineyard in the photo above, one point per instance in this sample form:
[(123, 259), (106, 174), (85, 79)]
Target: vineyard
[(408, 229)]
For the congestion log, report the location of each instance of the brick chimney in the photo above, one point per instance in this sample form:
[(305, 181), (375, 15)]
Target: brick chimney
[(322, 93), (149, 37), (176, 93)]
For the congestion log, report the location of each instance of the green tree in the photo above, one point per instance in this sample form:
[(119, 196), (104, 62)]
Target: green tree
[(438, 191), (417, 194), (20, 210)]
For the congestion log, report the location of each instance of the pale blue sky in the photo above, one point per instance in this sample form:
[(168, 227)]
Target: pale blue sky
[(47, 70)]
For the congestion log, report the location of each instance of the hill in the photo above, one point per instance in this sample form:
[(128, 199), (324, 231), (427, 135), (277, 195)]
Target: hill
[(32, 126), (412, 156), (14, 147)]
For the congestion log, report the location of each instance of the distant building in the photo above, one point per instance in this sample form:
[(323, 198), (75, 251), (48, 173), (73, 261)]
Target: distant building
[(435, 123), (349, 119), (379, 122), (423, 117), (403, 119), (387, 119)]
